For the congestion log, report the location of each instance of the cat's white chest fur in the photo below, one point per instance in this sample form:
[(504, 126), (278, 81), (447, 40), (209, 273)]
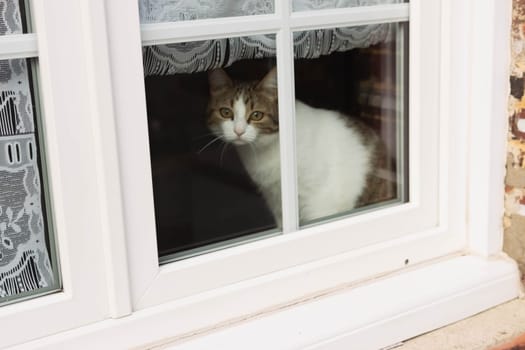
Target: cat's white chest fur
[(334, 157), (333, 161)]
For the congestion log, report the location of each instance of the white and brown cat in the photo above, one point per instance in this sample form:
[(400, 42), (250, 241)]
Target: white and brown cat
[(337, 157)]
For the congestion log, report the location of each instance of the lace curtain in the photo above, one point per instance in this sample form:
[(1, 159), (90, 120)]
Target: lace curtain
[(205, 55), (24, 260)]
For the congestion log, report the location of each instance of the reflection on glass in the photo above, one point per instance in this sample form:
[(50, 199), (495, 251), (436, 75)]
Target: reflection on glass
[(214, 153), (28, 264), (350, 121), (310, 5), (155, 11)]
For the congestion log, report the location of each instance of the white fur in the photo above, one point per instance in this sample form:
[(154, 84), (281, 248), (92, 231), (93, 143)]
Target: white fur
[(332, 161)]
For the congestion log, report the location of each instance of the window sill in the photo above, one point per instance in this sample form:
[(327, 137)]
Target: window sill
[(390, 310)]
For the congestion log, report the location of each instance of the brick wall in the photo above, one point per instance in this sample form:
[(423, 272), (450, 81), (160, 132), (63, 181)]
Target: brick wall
[(514, 221)]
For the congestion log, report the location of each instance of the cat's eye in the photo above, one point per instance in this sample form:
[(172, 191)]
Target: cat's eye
[(256, 116), (226, 113)]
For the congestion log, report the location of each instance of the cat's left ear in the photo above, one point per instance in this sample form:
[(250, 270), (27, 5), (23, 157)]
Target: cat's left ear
[(269, 82)]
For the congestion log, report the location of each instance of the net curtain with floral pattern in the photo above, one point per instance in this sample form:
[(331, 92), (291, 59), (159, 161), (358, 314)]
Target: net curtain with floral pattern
[(205, 55), (24, 260)]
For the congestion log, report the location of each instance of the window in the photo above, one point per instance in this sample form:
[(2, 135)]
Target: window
[(28, 263), (121, 102), (203, 195), (46, 164), (411, 211), (212, 190)]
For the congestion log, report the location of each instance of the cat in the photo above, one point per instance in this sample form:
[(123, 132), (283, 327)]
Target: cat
[(337, 157)]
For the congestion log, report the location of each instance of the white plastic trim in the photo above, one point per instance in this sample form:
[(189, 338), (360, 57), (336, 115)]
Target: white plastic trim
[(18, 46), (352, 16), (489, 63), (216, 28), (397, 307), (377, 315), (206, 29), (107, 162), (287, 139)]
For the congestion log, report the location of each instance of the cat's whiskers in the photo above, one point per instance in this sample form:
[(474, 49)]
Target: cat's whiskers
[(210, 143), (224, 147), (320, 190), (203, 136), (254, 151)]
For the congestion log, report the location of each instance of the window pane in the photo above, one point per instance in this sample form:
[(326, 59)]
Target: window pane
[(28, 263), (213, 130), (154, 11), (309, 5), (14, 16), (351, 118)]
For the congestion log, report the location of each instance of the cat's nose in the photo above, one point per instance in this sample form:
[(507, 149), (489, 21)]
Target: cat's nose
[(239, 130)]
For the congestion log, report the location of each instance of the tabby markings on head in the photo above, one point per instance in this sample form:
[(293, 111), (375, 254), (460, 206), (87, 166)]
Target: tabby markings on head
[(239, 112)]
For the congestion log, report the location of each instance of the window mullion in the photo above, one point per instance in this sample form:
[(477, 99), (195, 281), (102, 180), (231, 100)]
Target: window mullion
[(104, 131), (285, 60), (350, 16), (18, 46), (206, 29)]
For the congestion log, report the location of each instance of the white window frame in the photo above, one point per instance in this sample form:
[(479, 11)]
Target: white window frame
[(218, 296), (72, 126), (152, 285)]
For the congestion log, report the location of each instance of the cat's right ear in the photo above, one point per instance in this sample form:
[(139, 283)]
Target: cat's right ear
[(269, 82), (219, 81)]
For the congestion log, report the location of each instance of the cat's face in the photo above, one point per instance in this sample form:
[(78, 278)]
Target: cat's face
[(243, 113)]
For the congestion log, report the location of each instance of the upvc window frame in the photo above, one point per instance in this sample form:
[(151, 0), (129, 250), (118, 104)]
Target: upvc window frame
[(70, 124), (429, 216), (473, 88)]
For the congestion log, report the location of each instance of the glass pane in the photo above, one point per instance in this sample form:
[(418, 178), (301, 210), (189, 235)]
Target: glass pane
[(214, 143), (351, 119), (14, 15), (155, 11), (28, 264), (310, 5)]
